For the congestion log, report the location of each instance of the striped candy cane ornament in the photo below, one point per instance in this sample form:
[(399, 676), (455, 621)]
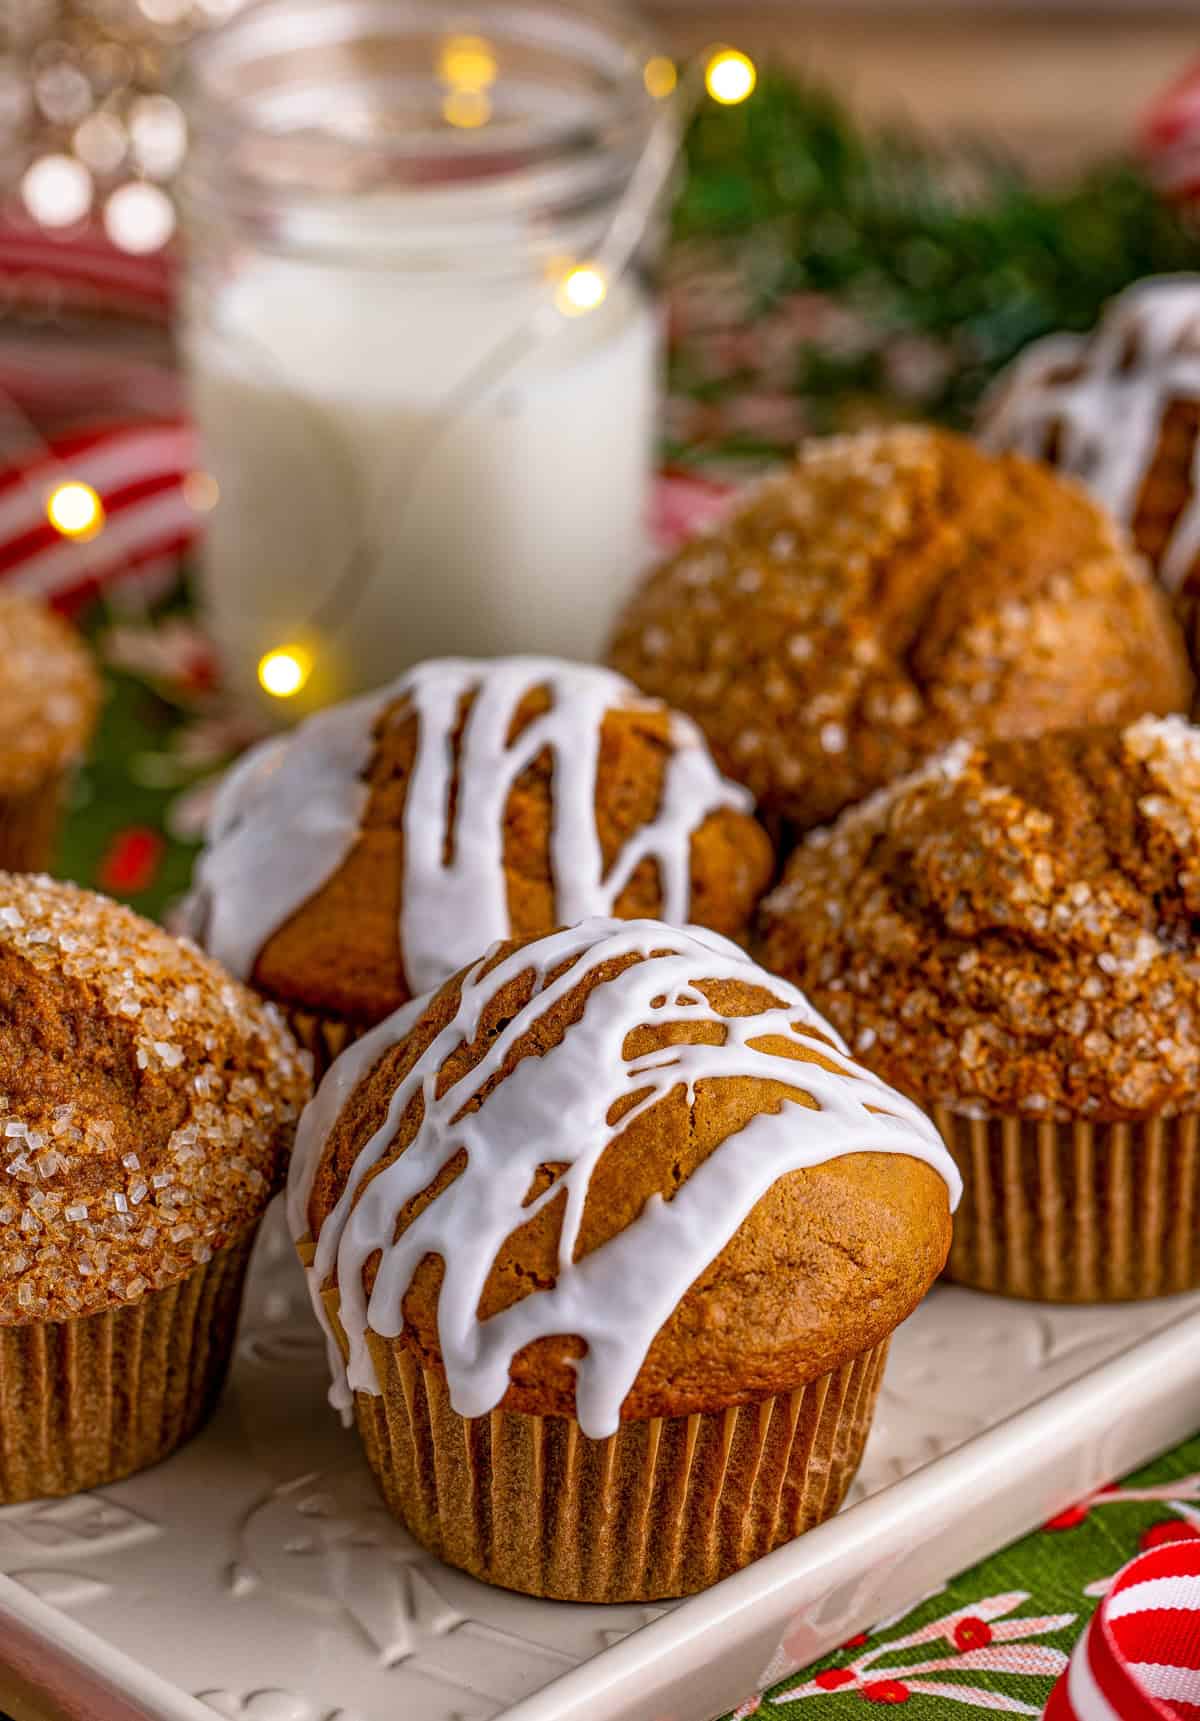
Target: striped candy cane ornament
[(1139, 1659)]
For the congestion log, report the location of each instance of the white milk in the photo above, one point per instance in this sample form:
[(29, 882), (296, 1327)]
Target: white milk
[(319, 390)]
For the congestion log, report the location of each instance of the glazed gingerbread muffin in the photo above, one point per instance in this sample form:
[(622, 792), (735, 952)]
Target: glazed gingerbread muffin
[(892, 591), (1119, 408), (386, 843), (147, 1108), (49, 697), (612, 1235), (1009, 936)]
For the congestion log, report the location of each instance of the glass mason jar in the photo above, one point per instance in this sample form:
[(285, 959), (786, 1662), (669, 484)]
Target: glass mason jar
[(430, 414)]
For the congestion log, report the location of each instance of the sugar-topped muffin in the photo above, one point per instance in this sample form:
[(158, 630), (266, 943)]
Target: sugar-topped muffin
[(385, 843), (892, 591), (147, 1108), (1010, 937), (49, 697), (612, 1234)]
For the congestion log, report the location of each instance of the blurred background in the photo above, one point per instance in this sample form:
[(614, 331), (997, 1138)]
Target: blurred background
[(886, 204), (1058, 80)]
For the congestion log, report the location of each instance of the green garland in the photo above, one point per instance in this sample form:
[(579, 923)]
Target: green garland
[(958, 247)]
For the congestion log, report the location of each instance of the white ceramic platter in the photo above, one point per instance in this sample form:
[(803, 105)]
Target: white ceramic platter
[(255, 1575)]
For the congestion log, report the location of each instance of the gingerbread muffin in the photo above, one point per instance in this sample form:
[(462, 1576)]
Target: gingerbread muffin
[(386, 843), (1009, 936), (1119, 408), (49, 697), (147, 1106), (612, 1236), (892, 591)]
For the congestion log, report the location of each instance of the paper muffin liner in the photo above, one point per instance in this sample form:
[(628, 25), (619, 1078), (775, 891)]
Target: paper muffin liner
[(29, 824), (662, 1508), (1075, 1212), (1187, 614), (84, 1402), (326, 1037)]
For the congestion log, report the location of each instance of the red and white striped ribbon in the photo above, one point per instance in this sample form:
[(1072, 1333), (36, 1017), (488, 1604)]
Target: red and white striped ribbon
[(83, 270), (137, 470), (1139, 1659)]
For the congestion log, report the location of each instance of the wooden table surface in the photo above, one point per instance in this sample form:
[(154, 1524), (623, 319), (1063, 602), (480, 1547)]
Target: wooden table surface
[(1058, 83)]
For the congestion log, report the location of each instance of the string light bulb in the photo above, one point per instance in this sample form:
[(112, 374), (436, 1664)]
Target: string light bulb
[(730, 76), (284, 671), (467, 67), (466, 109), (660, 77), (75, 510), (467, 63), (583, 288), (57, 190), (200, 491)]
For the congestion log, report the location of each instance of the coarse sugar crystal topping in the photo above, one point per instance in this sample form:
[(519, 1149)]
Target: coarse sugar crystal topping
[(1011, 930), (48, 693), (891, 591), (134, 1136)]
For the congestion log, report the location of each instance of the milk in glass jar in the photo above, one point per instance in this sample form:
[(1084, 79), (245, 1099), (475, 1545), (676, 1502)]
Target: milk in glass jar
[(427, 403)]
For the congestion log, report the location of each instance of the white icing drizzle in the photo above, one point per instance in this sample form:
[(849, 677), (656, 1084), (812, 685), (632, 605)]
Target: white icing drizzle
[(554, 1109), (287, 818), (284, 821), (1143, 355)]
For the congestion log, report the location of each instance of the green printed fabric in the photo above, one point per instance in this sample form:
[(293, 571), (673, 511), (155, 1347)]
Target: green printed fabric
[(995, 1639)]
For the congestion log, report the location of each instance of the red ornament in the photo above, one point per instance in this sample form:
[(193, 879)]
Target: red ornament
[(972, 1633), (857, 1641), (132, 861), (886, 1691), (1170, 1530), (1070, 1519), (1169, 141), (834, 1678)]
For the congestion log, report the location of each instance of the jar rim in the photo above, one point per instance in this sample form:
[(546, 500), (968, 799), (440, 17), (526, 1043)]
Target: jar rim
[(335, 131)]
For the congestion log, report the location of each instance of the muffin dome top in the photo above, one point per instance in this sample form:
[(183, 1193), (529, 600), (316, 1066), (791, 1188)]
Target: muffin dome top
[(1119, 408), (1013, 929), (147, 1103), (619, 1171), (49, 693), (894, 590), (390, 841)]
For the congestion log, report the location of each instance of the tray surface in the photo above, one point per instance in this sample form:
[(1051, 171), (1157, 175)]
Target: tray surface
[(258, 1575)]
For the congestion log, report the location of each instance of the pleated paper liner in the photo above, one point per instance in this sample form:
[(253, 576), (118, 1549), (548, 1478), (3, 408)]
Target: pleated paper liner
[(326, 1037), (1076, 1212), (1187, 614), (662, 1508), (29, 824), (84, 1402)]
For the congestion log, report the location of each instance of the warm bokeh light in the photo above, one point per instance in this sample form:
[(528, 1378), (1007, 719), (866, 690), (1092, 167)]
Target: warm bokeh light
[(57, 190), (581, 289), (158, 135), (466, 109), (100, 141), (660, 77), (74, 509), (730, 76), (284, 671), (201, 491), (467, 63), (139, 218)]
